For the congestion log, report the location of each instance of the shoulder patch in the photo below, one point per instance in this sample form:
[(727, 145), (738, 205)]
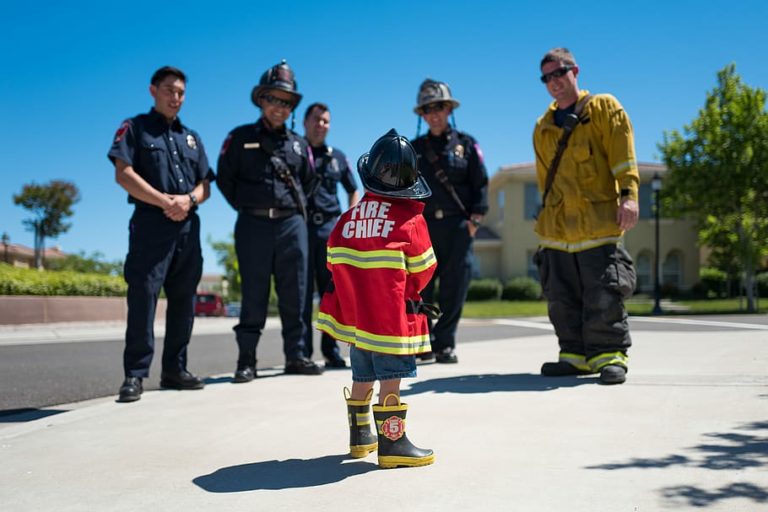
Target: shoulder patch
[(479, 152), (120, 133)]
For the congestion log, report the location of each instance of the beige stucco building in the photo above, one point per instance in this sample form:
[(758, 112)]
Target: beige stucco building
[(504, 249)]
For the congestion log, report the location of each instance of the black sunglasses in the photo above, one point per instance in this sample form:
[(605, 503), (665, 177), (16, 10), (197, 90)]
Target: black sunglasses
[(546, 78), (434, 107), (278, 102)]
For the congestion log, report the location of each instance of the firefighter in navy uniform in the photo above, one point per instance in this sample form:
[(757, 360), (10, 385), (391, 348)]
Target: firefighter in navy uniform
[(452, 164), (266, 175), (162, 165), (324, 209)]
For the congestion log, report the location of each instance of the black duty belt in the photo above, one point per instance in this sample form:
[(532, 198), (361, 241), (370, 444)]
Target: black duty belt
[(320, 218), (270, 213)]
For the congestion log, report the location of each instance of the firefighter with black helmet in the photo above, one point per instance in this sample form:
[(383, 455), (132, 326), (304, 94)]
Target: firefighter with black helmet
[(452, 164), (267, 172), (380, 258)]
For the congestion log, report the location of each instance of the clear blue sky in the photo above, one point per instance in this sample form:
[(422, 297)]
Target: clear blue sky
[(70, 72)]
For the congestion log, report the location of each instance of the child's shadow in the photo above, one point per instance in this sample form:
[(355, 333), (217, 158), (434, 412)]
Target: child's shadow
[(491, 382), (283, 474)]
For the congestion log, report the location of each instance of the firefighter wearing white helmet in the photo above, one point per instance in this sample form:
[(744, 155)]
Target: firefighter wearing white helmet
[(452, 164)]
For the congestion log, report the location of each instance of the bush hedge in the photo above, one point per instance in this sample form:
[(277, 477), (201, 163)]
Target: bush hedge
[(484, 289), (521, 288), (25, 281)]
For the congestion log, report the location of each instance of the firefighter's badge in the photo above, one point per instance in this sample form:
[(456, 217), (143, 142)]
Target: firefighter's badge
[(191, 142), (297, 147), (393, 428), (458, 151)]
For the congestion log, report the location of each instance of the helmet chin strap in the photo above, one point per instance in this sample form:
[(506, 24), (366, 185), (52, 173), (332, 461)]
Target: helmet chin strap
[(453, 120), (418, 127)]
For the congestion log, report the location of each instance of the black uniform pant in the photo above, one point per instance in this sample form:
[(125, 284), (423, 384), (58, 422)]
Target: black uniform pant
[(318, 275), (161, 253), (453, 250), (265, 248), (585, 292)]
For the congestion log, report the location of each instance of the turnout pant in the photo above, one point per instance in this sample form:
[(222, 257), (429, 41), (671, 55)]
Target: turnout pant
[(585, 292)]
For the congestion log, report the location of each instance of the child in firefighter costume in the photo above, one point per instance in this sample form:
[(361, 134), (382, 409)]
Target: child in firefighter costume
[(380, 258)]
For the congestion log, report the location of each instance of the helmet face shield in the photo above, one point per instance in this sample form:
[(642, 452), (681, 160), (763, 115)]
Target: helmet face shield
[(390, 169)]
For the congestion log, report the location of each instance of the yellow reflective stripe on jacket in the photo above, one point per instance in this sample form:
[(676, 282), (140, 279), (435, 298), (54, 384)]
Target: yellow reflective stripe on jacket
[(623, 166), (576, 360), (366, 259), (421, 262), (395, 345), (578, 246), (598, 362)]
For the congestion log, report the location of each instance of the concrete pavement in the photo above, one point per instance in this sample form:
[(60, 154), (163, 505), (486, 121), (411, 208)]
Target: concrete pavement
[(688, 431)]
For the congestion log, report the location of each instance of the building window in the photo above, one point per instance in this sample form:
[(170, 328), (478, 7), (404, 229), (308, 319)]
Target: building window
[(533, 270), (672, 269), (645, 201), (643, 267), (532, 201)]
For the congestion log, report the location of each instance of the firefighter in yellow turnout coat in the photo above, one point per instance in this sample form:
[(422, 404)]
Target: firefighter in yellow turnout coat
[(593, 199), (380, 257)]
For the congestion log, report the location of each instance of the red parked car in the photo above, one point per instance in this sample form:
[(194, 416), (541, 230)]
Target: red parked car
[(209, 304)]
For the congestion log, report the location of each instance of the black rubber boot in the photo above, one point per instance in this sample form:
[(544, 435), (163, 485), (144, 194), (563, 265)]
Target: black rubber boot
[(361, 439), (394, 447), (613, 374)]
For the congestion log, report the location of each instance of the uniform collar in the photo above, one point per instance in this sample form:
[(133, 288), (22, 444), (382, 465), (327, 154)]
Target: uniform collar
[(553, 105), (443, 137), (263, 126), (158, 118)]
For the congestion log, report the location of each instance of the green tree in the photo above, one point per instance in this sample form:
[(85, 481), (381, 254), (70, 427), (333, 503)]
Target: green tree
[(93, 264), (718, 176), (227, 258), (50, 204)]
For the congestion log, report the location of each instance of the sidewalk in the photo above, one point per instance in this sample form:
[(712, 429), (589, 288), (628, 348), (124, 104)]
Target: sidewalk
[(688, 431)]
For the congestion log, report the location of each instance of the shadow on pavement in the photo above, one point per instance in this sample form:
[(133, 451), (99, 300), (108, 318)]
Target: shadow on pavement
[(283, 474), (491, 382), (24, 415), (729, 451)]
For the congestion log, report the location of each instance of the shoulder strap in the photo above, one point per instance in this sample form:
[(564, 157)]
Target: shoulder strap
[(442, 177), (571, 121)]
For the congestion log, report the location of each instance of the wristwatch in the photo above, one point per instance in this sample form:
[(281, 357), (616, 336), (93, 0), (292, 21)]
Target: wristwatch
[(475, 221), (193, 198)]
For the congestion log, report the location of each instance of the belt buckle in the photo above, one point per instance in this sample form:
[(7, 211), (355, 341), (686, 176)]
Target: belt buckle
[(318, 218), (272, 213), (439, 214)]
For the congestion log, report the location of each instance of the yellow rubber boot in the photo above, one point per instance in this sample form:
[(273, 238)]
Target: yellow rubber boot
[(395, 450), (361, 439)]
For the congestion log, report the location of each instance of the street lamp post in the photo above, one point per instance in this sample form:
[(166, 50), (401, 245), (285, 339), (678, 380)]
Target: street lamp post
[(5, 238), (656, 187)]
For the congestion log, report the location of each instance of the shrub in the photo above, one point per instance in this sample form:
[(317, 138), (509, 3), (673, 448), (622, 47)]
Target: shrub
[(714, 282), (24, 281), (521, 288), (484, 289), (762, 284)]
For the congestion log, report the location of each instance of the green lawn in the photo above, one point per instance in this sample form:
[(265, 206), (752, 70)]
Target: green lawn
[(503, 309)]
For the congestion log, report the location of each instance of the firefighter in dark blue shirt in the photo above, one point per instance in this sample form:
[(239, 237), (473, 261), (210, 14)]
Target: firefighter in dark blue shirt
[(265, 172), (162, 165), (324, 209), (452, 163)]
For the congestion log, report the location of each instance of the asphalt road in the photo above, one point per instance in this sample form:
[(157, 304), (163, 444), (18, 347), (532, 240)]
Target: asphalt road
[(37, 375)]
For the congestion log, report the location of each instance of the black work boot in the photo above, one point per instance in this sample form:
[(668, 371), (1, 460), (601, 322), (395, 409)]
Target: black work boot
[(180, 380), (613, 374), (446, 356), (361, 439), (244, 374), (130, 390), (562, 369), (302, 366), (394, 447)]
